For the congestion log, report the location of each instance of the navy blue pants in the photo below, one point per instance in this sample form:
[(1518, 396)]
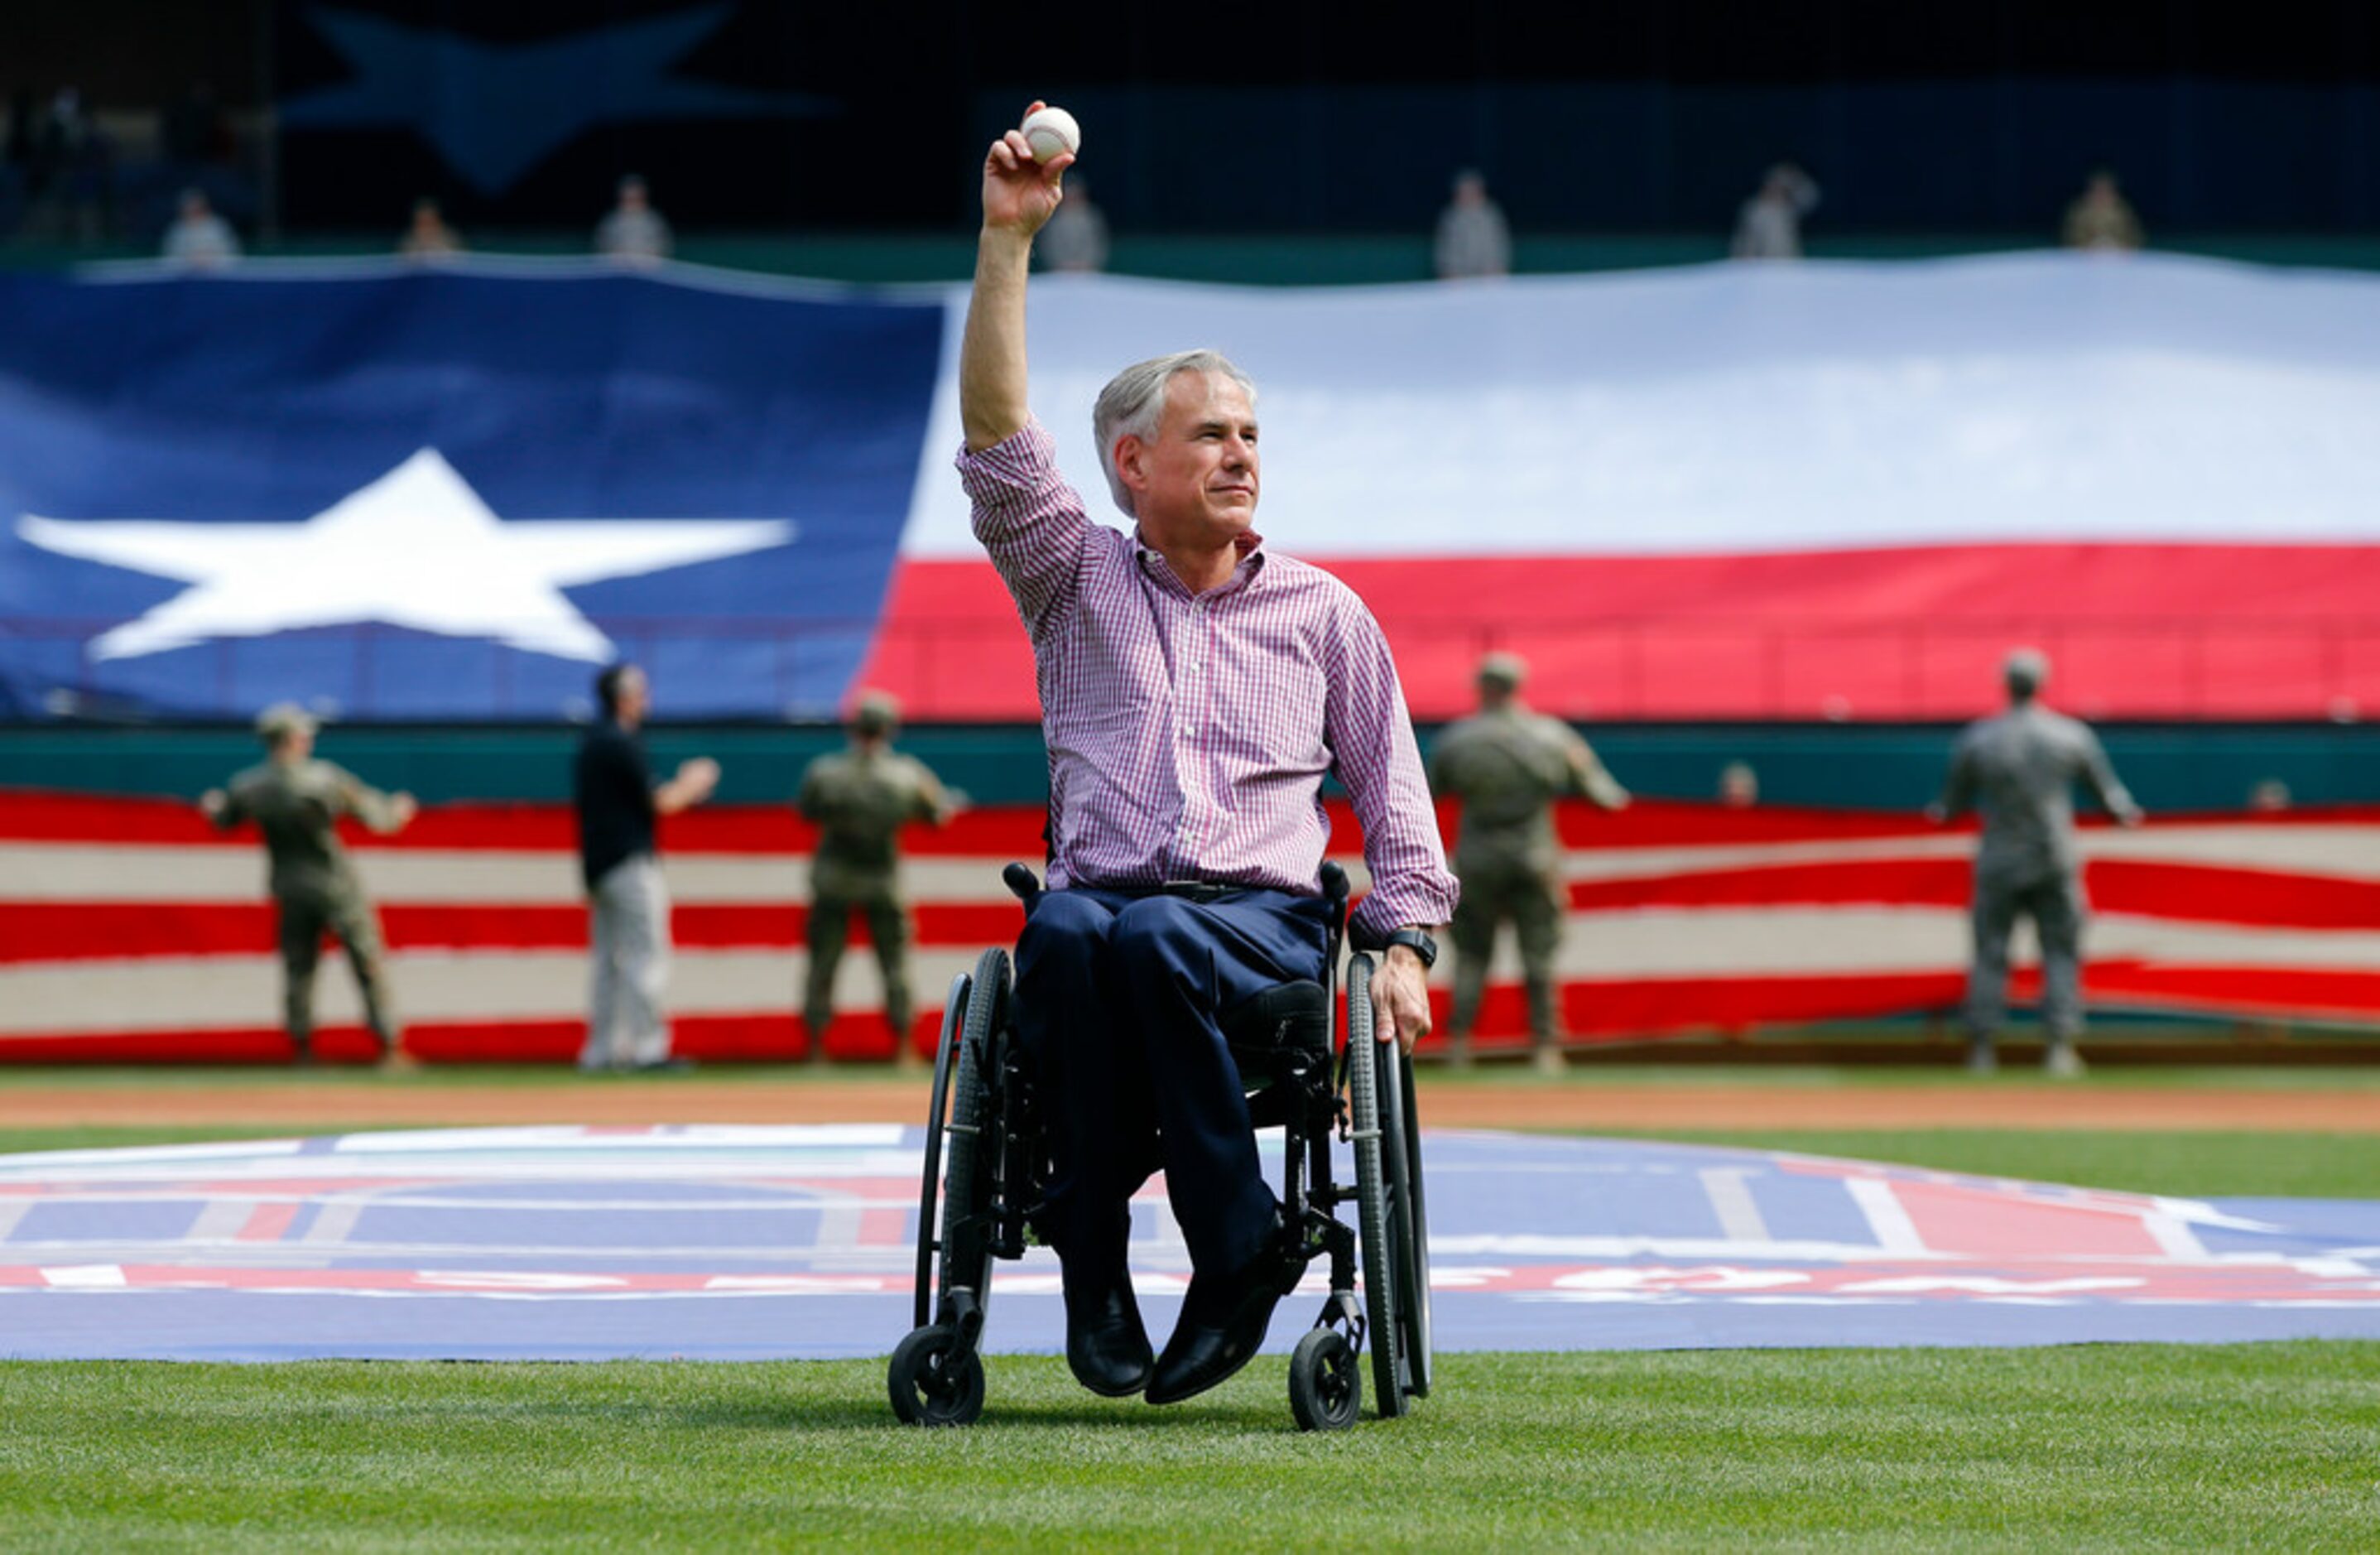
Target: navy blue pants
[(1117, 1000)]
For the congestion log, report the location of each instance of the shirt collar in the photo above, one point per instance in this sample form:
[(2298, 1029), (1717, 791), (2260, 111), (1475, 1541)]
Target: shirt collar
[(1248, 543)]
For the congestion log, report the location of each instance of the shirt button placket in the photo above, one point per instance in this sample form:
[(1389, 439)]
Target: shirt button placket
[(1185, 690)]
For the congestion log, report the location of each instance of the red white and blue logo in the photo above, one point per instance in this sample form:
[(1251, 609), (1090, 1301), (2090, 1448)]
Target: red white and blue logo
[(740, 1243)]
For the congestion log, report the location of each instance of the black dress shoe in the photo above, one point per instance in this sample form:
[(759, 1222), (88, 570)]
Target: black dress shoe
[(1224, 1322), (1106, 1344)]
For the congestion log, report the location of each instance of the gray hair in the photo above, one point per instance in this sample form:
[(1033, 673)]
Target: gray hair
[(2026, 671), (1134, 403)]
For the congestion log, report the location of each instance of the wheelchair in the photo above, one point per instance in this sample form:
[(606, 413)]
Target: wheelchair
[(987, 1169)]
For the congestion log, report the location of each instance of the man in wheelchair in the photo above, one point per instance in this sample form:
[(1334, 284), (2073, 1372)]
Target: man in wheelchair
[(1195, 688)]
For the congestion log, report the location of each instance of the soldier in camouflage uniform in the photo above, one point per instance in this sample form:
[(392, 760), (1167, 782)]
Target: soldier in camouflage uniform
[(298, 802), (2020, 770), (1507, 764), (860, 798)]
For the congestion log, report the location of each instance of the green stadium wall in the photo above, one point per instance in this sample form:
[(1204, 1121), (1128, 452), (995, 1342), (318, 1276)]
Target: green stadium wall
[(2195, 767)]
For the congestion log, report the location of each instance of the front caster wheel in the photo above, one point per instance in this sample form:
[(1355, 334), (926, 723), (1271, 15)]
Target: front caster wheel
[(1326, 1386), (930, 1384)]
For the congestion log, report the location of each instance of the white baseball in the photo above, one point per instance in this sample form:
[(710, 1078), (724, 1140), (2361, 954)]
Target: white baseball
[(1049, 131)]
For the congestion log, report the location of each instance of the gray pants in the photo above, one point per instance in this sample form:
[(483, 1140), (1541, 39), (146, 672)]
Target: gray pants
[(629, 934), (2055, 904), (888, 926), (305, 918), (1494, 890)]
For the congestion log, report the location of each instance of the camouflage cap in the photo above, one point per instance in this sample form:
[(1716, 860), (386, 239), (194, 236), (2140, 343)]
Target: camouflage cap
[(1507, 670), (282, 719), (876, 712)]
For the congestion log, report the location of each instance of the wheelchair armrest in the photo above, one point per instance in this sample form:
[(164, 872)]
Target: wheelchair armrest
[(1022, 884)]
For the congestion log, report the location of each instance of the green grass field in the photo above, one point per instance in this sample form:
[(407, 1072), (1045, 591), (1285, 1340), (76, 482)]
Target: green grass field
[(2247, 1446), (2128, 1447)]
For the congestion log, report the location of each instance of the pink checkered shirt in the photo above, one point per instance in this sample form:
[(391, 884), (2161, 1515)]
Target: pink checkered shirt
[(1189, 734)]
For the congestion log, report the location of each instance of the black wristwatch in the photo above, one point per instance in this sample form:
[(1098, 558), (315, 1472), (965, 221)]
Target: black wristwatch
[(1419, 943)]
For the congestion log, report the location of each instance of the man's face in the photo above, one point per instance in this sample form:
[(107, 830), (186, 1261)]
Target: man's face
[(1195, 480), (634, 697)]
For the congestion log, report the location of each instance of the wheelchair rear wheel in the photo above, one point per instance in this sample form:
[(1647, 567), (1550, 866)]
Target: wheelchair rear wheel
[(936, 1378), (976, 1136), (1388, 1204), (1401, 1147), (1374, 1220)]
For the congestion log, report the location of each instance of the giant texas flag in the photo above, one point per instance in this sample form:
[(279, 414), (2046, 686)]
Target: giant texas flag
[(1719, 492), (447, 494), (1773, 490)]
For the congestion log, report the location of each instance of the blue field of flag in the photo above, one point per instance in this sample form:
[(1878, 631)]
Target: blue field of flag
[(436, 493)]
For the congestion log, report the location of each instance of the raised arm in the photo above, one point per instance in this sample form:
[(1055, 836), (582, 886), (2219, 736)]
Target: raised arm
[(1588, 776), (2100, 773), (381, 813), (1958, 785), (1019, 196), (693, 782), (935, 804)]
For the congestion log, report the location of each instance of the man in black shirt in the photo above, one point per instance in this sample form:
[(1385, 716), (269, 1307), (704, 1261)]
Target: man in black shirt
[(627, 903)]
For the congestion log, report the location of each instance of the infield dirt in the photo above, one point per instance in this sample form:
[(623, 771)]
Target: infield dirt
[(331, 1099)]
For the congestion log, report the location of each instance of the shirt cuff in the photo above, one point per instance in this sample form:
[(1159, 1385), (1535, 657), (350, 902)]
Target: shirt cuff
[(1393, 905)]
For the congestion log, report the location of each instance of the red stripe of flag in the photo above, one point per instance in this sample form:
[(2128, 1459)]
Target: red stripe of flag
[(1906, 882), (54, 931), (762, 1036)]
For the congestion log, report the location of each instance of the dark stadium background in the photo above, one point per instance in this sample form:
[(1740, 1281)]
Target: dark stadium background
[(1618, 117)]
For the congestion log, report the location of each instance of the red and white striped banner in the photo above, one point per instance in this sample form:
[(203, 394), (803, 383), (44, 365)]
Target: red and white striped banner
[(131, 930)]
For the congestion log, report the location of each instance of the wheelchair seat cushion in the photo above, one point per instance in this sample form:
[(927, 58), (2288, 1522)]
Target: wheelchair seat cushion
[(1283, 1018)]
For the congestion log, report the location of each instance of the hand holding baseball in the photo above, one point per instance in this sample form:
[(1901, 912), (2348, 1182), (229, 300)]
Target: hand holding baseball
[(1021, 187)]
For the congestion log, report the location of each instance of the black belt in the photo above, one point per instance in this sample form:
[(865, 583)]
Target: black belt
[(1198, 890), (1189, 891)]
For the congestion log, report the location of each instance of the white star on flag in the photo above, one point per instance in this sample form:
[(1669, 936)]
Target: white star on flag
[(417, 547)]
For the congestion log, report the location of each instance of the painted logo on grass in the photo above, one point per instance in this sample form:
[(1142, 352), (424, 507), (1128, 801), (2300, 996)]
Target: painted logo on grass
[(742, 1242)]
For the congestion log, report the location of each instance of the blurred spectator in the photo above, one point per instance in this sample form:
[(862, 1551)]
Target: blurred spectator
[(620, 808), (634, 233), (1739, 786), (70, 173), (1473, 240), (2101, 218), (193, 132), (2020, 770), (1507, 764), (20, 128), (199, 237), (1769, 226), (2269, 797), (298, 802), (428, 237), (1074, 239), (860, 799)]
